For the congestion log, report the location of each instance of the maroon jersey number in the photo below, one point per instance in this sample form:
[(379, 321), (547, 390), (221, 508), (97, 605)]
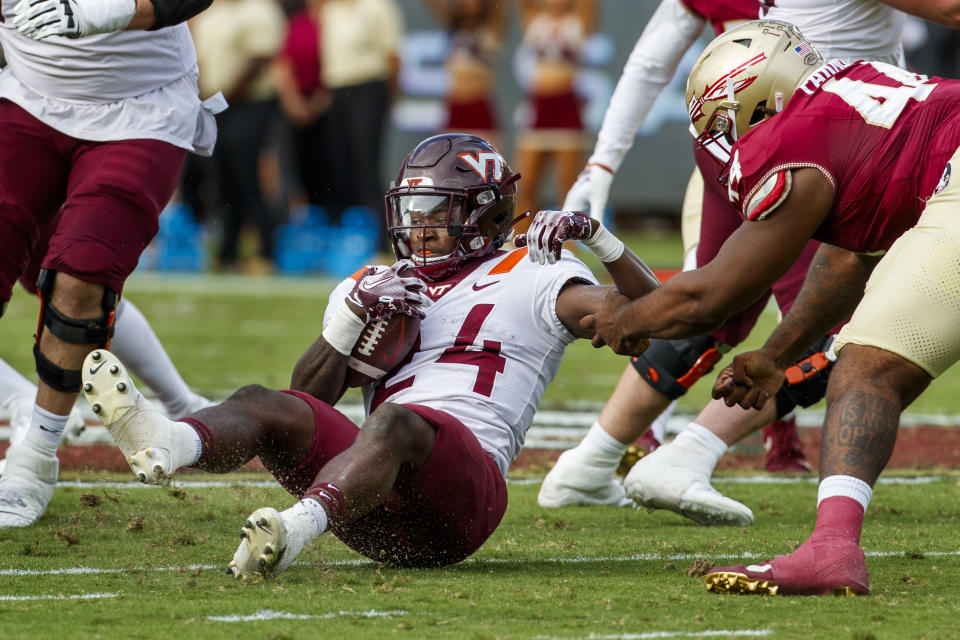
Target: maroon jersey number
[(487, 360)]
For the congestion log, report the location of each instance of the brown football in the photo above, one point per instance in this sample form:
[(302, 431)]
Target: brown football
[(381, 347)]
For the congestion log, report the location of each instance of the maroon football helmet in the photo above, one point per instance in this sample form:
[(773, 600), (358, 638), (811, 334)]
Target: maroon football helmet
[(456, 182)]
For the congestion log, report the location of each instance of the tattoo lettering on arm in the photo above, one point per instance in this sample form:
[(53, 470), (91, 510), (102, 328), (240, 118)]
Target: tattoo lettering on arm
[(858, 435), (831, 291)]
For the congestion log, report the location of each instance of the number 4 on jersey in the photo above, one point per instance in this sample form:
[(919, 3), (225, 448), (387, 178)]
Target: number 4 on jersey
[(881, 104), (487, 360)]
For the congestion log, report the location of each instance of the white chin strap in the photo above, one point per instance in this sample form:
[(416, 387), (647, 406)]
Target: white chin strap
[(731, 112)]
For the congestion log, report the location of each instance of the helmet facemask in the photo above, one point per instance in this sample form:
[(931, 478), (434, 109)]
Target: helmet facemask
[(438, 229)]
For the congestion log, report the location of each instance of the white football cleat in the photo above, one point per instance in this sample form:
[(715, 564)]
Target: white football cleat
[(663, 480), (574, 482), (26, 486), (267, 549), (144, 435)]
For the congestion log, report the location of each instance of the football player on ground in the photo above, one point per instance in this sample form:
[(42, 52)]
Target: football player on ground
[(858, 155), (677, 477), (95, 126), (422, 482)]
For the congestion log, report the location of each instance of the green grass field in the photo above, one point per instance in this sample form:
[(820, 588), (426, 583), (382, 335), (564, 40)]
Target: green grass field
[(116, 560), (127, 562)]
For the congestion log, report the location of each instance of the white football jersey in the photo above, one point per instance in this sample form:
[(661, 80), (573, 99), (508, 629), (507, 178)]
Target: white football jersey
[(114, 86), (846, 29), (489, 346)]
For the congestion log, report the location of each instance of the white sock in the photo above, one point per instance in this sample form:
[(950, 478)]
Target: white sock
[(847, 486), (659, 426), (599, 449), (45, 430), (186, 446), (305, 519), (701, 449), (137, 346), (12, 383)]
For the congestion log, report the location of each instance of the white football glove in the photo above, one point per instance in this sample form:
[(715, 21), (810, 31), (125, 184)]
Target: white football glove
[(39, 19), (590, 191)]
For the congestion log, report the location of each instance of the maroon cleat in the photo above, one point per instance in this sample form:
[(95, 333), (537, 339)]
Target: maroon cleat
[(818, 567), (783, 447)]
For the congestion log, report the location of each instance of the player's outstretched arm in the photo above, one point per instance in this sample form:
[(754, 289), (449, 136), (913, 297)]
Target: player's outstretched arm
[(39, 19), (671, 31), (833, 287), (550, 229), (750, 261), (379, 292)]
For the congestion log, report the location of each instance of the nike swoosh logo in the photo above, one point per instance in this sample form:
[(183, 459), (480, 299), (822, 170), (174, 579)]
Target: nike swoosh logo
[(478, 287), (93, 370), (43, 428), (760, 568)]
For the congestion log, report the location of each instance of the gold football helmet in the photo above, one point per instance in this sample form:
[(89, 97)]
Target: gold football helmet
[(744, 75)]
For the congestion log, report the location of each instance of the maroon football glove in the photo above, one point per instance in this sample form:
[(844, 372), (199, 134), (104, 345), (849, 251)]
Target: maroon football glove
[(549, 230), (382, 292)]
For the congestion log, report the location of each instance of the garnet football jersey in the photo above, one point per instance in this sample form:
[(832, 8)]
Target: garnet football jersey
[(881, 135), (489, 346)]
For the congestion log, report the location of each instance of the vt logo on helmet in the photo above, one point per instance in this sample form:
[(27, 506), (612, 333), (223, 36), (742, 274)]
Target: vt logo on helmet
[(743, 76), (453, 200)]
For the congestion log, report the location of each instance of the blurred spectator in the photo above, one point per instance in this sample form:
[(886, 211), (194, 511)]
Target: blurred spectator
[(360, 42), (554, 32), (304, 101), (236, 41), (475, 29)]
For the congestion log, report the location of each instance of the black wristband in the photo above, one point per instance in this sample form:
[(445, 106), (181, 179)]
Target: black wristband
[(170, 12)]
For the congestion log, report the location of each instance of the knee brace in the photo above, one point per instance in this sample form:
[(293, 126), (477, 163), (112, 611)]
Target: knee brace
[(806, 382), (672, 366), (95, 331)]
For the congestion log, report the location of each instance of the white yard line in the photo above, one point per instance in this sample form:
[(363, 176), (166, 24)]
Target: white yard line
[(79, 596), (358, 562), (269, 484), (267, 614)]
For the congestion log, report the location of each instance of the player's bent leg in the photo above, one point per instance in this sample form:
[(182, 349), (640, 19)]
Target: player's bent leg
[(868, 389)]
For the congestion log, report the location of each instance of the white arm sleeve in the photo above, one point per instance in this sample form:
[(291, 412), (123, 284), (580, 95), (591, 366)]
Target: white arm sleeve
[(671, 31)]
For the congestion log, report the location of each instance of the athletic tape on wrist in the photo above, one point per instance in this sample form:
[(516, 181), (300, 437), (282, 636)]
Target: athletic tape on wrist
[(344, 329), (605, 245)]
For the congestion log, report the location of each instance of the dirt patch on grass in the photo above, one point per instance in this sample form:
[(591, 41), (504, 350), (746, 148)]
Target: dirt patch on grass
[(918, 447)]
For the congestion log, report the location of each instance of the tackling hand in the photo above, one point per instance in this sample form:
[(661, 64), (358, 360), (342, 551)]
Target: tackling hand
[(382, 292), (590, 191), (550, 229), (749, 381), (39, 19), (604, 322)]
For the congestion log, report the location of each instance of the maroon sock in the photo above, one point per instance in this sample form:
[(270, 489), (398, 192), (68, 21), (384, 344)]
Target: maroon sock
[(839, 516), (330, 497)]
